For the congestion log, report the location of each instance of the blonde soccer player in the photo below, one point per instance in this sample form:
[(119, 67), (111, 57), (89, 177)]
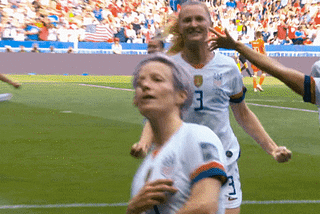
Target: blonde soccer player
[(217, 85)]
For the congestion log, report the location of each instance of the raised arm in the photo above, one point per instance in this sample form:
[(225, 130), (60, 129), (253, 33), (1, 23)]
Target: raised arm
[(252, 126), (291, 77)]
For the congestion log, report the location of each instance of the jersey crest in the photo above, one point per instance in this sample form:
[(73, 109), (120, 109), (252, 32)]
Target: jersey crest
[(198, 80)]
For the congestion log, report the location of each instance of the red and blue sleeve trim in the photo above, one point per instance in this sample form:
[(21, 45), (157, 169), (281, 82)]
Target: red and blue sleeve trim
[(209, 170)]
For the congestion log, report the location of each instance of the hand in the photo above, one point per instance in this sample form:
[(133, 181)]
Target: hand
[(16, 85), (221, 40), (153, 193), (138, 150), (282, 154)]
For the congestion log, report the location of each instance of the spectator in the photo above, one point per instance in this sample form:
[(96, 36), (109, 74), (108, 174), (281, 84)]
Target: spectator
[(116, 47), (8, 49), (136, 25), (231, 4), (70, 50), (52, 49), (316, 17), (44, 29), (98, 12), (35, 48), (131, 34), (153, 13), (282, 29), (52, 33), (139, 38), (63, 34), (286, 41), (299, 36), (148, 33), (31, 32), (22, 50), (121, 33)]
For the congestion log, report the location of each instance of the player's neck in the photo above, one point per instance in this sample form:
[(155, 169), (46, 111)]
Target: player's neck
[(164, 127), (197, 55)]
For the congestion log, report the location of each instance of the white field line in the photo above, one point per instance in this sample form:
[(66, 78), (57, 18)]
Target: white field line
[(25, 206), (283, 202), (273, 101), (100, 86), (280, 107), (254, 104)]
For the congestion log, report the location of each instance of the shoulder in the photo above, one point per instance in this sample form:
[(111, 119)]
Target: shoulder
[(176, 56), (200, 133), (226, 65), (220, 58), (315, 70)]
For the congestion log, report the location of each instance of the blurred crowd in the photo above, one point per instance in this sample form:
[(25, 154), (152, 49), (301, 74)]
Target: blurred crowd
[(137, 21)]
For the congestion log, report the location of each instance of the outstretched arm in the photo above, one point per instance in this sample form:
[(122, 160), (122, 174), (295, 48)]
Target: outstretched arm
[(5, 79), (252, 126), (291, 77)]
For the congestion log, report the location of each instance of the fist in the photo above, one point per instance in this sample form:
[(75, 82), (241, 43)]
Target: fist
[(282, 154), (138, 150)]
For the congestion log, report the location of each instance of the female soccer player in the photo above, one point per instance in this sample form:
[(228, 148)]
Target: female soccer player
[(258, 46), (185, 170), (217, 85), (306, 86)]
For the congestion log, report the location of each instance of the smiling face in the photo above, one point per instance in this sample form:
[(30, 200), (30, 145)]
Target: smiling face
[(194, 23), (155, 93)]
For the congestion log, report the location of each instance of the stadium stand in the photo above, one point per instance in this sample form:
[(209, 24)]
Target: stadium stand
[(65, 23)]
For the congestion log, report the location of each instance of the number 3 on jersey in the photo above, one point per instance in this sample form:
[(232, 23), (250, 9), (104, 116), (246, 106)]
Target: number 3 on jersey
[(199, 98)]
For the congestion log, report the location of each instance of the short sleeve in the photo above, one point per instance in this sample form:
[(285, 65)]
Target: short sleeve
[(317, 90), (204, 156), (315, 70), (236, 81)]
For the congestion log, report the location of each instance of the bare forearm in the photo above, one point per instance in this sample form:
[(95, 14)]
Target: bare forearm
[(204, 198), (5, 79), (292, 78), (146, 135), (198, 208), (252, 126)]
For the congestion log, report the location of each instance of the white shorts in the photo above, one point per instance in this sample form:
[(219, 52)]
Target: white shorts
[(232, 189)]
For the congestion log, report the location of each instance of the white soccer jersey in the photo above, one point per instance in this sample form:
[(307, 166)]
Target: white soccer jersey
[(192, 153), (317, 80), (315, 70), (213, 86)]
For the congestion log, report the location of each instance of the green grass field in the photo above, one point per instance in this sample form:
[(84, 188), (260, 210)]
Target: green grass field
[(63, 143)]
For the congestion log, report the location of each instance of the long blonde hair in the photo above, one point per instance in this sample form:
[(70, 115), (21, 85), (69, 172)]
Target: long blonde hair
[(173, 28)]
